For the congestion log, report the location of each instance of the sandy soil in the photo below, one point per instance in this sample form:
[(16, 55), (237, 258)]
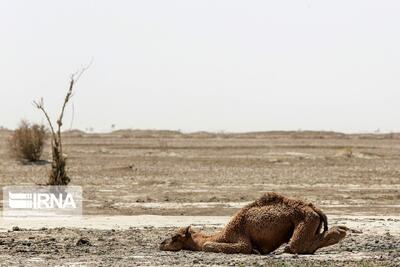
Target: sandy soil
[(133, 241), (169, 173)]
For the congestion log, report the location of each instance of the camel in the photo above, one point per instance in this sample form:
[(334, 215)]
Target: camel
[(263, 226)]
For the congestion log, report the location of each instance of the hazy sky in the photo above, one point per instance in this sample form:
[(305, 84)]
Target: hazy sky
[(204, 65)]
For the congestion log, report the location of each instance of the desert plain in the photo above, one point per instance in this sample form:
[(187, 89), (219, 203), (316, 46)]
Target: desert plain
[(139, 186)]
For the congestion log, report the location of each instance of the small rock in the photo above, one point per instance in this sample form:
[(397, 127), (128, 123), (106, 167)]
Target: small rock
[(83, 242), (16, 228), (26, 243)]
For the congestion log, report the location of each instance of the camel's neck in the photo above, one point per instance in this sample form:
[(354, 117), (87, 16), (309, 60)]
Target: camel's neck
[(200, 238)]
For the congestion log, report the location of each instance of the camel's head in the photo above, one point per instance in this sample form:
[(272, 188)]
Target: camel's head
[(182, 239)]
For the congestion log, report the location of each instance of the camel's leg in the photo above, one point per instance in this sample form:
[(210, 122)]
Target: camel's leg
[(229, 248), (306, 239)]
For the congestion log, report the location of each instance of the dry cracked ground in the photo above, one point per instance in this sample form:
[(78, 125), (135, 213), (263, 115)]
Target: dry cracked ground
[(170, 173)]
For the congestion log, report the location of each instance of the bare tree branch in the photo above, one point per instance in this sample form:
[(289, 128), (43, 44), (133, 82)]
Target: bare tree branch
[(77, 75), (40, 105), (73, 80), (66, 99)]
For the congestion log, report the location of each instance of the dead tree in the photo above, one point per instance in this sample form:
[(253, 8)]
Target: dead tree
[(58, 175)]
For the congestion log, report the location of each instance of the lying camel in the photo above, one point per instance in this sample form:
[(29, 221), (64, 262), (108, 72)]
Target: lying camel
[(262, 227)]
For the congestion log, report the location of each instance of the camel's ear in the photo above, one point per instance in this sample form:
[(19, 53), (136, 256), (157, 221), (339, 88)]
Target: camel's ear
[(188, 232)]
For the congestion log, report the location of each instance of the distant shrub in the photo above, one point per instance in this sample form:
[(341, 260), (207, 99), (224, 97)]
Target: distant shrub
[(27, 141)]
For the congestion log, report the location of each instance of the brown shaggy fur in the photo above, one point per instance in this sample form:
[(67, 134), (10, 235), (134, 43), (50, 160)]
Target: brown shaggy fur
[(262, 227)]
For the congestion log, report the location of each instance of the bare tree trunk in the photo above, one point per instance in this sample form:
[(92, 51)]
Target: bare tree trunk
[(58, 175)]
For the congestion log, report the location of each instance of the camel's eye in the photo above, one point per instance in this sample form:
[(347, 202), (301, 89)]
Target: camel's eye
[(175, 238)]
